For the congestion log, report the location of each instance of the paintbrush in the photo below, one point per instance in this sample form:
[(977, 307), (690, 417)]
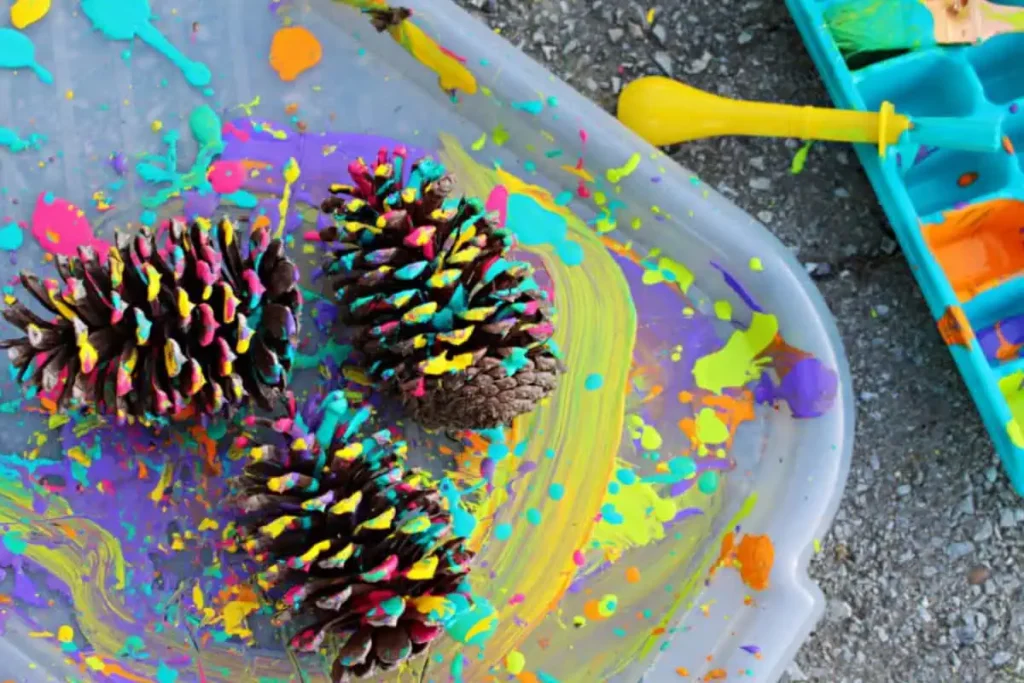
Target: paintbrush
[(665, 112), (859, 26)]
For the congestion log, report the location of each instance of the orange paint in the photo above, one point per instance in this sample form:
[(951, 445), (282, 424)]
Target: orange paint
[(979, 246), (716, 675), (967, 179), (592, 611), (632, 575), (682, 671), (955, 328), (753, 558), (756, 555), (527, 677), (293, 50), (1008, 145), (1006, 351)]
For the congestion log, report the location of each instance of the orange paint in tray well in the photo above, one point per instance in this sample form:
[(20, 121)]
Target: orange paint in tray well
[(980, 246)]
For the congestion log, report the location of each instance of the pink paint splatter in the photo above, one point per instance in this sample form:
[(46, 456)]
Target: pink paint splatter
[(578, 559), (498, 201), (61, 228), (229, 127), (456, 57), (226, 177)]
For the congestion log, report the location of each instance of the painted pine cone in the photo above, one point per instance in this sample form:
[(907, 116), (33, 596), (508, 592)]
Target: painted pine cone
[(351, 545), (168, 320), (444, 317)]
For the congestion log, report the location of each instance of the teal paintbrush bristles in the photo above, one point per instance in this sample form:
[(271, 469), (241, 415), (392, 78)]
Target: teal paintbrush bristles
[(879, 25)]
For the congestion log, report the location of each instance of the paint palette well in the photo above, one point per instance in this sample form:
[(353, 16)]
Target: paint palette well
[(958, 216), (705, 383)]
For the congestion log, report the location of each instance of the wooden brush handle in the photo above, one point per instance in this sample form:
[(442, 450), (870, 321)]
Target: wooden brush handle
[(972, 21)]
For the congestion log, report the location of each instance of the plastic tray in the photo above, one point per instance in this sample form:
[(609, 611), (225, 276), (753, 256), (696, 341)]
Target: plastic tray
[(112, 539), (956, 214)]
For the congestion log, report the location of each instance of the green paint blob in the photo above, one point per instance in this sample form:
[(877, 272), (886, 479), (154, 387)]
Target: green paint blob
[(733, 365)]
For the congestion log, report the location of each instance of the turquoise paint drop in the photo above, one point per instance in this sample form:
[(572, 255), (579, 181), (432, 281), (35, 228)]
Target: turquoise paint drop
[(556, 491), (625, 476), (18, 52), (533, 516), (708, 482), (148, 218), (165, 674), (610, 514), (497, 452), (593, 382), (534, 107), (11, 237), (503, 532), (533, 225)]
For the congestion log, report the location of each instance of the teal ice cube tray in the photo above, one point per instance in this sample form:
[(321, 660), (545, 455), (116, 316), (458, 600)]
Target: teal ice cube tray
[(959, 216)]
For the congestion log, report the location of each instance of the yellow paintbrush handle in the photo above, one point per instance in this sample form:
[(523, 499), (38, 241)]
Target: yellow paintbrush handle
[(665, 112)]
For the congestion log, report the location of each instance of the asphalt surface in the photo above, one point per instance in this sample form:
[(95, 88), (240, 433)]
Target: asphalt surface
[(921, 566)]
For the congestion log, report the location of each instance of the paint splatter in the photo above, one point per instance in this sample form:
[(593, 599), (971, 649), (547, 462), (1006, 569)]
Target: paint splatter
[(27, 12), (293, 51), (18, 52), (129, 19)]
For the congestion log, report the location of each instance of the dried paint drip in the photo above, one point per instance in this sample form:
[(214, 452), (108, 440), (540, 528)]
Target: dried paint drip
[(130, 19), (18, 52)]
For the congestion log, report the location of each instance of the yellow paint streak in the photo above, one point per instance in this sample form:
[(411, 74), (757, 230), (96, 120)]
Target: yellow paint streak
[(601, 333)]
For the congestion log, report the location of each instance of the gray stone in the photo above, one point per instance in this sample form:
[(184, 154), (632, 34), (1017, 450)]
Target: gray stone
[(663, 61), (959, 549), (984, 532), (658, 31), (615, 35), (1007, 520), (1001, 659), (760, 183)]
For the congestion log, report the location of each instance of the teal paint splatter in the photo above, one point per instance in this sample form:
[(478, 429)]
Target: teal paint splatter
[(503, 532), (593, 382), (497, 452), (13, 142), (556, 491), (678, 469), (533, 516), (165, 674), (546, 678), (534, 107), (14, 542), (533, 225), (708, 482), (625, 476), (515, 361), (463, 522), (18, 52), (241, 199), (11, 237), (148, 217), (610, 514)]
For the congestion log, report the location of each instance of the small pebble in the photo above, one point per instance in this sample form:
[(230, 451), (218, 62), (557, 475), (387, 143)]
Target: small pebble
[(978, 575)]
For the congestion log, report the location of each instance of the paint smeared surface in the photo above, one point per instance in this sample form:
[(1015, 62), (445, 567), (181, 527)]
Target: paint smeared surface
[(602, 535)]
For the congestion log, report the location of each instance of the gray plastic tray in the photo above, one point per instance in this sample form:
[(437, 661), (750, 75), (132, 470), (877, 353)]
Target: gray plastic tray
[(87, 544)]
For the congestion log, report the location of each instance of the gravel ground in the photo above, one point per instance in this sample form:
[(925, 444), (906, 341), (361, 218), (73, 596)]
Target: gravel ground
[(921, 566)]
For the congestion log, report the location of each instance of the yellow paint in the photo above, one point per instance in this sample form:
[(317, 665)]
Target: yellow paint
[(424, 569), (644, 514), (65, 634), (439, 365), (1012, 388), (378, 523), (735, 364), (348, 505), (601, 333), (166, 474), (614, 175), (291, 176), (278, 526), (27, 12), (710, 428)]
